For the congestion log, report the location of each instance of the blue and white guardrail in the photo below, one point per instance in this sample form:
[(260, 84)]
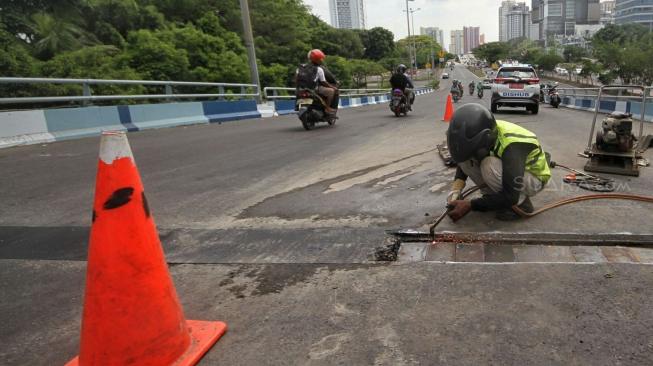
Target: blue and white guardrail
[(585, 99), (25, 127)]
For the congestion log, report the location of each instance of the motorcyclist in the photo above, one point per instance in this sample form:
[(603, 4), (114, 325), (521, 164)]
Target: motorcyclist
[(472, 86), (325, 83), (479, 87), (455, 89), (400, 80)]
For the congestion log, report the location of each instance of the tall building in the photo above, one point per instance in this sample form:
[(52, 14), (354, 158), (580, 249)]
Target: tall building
[(456, 46), (607, 6), (559, 17), (434, 32), (471, 37), (515, 20), (347, 14), (629, 11), (607, 12), (503, 27), (481, 39)]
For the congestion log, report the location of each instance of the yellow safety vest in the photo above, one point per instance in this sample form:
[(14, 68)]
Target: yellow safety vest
[(536, 162)]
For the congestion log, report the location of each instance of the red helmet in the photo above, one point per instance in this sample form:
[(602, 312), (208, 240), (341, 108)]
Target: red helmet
[(316, 56)]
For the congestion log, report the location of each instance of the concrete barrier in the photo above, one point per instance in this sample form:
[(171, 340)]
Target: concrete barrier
[(40, 126), (223, 111), (146, 116), (23, 128), (70, 123), (609, 105), (284, 106), (43, 126)]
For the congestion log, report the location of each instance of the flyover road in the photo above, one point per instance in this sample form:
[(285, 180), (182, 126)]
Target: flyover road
[(272, 228), (239, 182)]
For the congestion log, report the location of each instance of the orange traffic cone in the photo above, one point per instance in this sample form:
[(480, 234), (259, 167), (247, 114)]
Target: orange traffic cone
[(131, 312), (448, 111)]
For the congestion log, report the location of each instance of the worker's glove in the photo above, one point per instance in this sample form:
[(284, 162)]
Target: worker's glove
[(458, 209), (456, 190)]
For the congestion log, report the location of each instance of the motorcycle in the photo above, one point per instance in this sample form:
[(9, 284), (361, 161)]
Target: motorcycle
[(471, 88), (398, 103), (455, 95), (311, 109), (554, 97), (479, 92)]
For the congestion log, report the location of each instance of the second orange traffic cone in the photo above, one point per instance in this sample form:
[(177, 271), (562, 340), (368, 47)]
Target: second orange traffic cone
[(448, 111), (132, 315)]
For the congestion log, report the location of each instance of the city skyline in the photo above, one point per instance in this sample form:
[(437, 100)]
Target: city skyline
[(386, 13), (447, 15)]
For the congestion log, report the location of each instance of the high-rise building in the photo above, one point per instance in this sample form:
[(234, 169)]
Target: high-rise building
[(347, 14), (434, 32), (559, 17), (481, 39), (514, 19), (470, 38), (503, 27), (630, 11), (456, 46), (607, 6), (607, 12)]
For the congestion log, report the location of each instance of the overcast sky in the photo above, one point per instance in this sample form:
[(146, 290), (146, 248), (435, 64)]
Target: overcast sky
[(446, 14)]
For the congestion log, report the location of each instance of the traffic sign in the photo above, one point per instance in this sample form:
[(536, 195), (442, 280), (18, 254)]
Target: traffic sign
[(441, 59), (441, 54)]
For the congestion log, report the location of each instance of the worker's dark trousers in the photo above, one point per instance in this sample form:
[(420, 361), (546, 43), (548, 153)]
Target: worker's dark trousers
[(490, 174)]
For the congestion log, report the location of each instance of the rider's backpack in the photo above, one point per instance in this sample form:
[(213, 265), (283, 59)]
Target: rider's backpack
[(306, 76)]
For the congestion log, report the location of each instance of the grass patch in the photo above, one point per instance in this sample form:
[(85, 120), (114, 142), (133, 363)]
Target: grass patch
[(477, 72)]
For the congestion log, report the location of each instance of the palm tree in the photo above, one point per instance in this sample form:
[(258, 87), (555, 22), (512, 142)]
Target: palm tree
[(55, 34)]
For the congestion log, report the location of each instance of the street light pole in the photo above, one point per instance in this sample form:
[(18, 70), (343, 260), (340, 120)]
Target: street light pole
[(410, 56), (249, 44), (412, 16)]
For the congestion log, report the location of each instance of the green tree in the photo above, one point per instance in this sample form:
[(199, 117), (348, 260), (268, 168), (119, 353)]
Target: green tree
[(426, 48), (378, 43), (97, 62), (549, 60), (275, 75), (341, 68), (179, 40), (155, 59), (574, 53), (625, 50), (492, 52), (53, 35)]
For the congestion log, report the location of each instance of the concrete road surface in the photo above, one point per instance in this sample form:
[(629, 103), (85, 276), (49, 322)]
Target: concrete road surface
[(273, 229)]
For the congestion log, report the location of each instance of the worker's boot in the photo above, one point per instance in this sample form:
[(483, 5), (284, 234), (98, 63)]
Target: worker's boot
[(510, 215)]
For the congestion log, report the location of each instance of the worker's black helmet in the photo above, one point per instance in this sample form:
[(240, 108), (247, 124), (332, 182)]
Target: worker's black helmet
[(401, 69), (472, 133)]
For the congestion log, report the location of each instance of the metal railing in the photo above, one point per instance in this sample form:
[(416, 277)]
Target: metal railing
[(577, 92), (594, 92), (272, 93), (223, 90), (597, 108)]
